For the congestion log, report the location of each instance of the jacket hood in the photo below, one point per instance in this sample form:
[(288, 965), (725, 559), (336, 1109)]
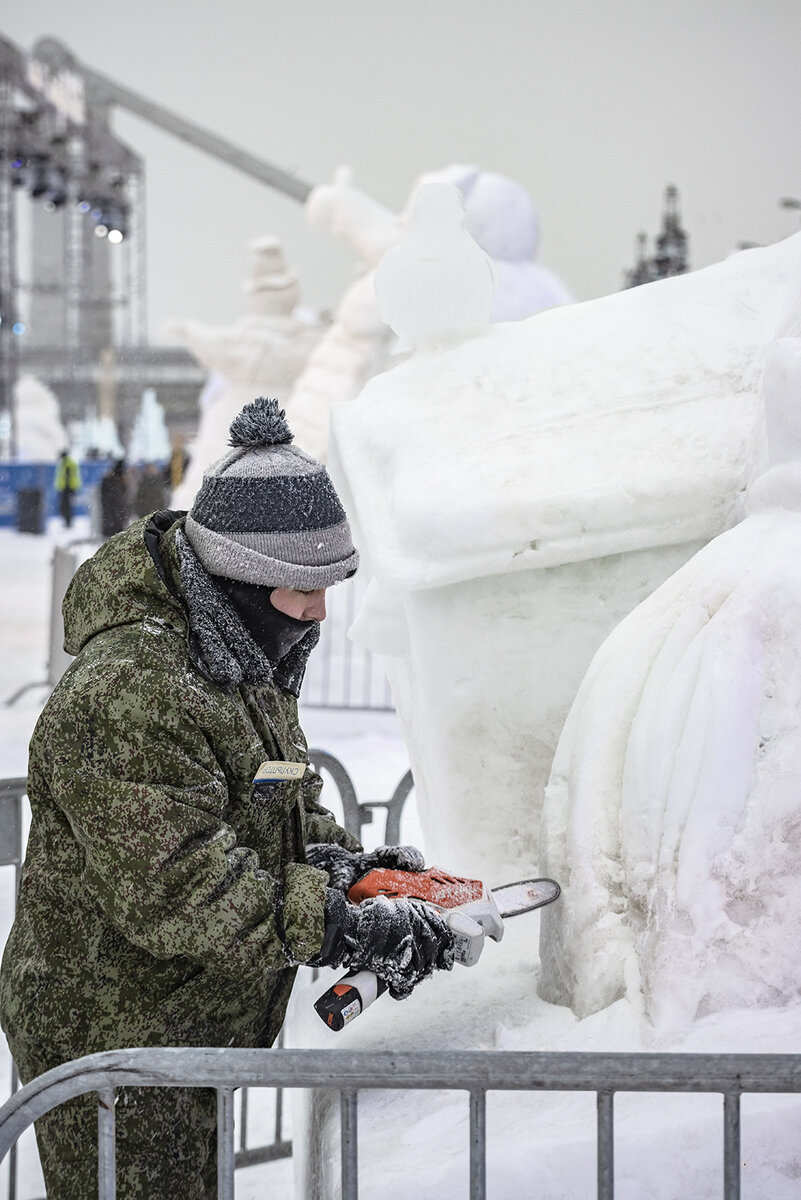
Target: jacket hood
[(121, 584)]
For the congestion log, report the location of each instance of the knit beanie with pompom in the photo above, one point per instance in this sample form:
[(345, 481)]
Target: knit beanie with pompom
[(267, 513)]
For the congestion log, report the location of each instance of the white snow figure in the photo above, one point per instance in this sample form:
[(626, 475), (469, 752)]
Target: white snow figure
[(261, 354), (150, 441), (435, 287), (500, 217), (40, 434), (672, 812)]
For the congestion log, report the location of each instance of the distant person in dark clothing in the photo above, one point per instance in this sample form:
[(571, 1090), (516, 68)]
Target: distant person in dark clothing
[(150, 491), (114, 500), (68, 482)]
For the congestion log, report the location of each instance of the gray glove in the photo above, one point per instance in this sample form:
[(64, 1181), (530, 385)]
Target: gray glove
[(346, 867), (400, 941)]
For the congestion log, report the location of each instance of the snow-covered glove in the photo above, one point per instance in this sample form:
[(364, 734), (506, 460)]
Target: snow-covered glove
[(346, 867), (400, 941)]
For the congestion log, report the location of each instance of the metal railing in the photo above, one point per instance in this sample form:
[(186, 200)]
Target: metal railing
[(473, 1071)]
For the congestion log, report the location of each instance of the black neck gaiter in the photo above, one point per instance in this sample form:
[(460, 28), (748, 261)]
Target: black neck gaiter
[(273, 631)]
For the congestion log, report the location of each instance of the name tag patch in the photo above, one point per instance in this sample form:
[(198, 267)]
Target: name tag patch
[(271, 772)]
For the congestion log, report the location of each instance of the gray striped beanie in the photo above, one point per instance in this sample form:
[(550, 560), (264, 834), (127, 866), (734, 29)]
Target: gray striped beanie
[(267, 513)]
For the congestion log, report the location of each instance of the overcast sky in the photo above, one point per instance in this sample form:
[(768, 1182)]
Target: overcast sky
[(593, 105)]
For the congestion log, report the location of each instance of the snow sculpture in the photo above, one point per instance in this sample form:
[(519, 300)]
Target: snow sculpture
[(40, 434), (518, 495), (262, 354), (435, 288), (150, 441), (499, 216), (673, 806), (96, 435)]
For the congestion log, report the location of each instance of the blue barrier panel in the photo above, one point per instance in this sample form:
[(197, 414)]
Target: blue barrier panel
[(17, 475)]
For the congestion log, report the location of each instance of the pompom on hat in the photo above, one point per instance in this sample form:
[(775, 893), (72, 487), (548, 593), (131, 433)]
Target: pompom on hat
[(267, 513)]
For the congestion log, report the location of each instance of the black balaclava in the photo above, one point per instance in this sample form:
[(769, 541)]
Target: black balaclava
[(274, 632)]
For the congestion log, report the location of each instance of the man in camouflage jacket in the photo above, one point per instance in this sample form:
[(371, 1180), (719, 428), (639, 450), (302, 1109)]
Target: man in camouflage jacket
[(166, 897)]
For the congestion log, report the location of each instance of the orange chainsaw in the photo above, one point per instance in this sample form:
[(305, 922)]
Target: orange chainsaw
[(471, 911)]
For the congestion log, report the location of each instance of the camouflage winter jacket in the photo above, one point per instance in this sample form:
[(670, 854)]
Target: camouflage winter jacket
[(163, 894)]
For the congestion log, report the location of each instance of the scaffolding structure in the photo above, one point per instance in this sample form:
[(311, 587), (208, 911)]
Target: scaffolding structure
[(86, 299)]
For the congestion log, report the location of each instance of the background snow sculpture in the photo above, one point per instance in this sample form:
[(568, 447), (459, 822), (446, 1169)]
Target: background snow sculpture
[(150, 441), (500, 217), (518, 495), (261, 354), (673, 808), (40, 435), (435, 287)]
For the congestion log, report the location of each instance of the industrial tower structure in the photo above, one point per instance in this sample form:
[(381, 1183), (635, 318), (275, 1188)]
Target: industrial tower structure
[(86, 329)]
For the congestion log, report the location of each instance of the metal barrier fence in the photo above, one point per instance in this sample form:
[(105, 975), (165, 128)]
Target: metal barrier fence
[(473, 1071)]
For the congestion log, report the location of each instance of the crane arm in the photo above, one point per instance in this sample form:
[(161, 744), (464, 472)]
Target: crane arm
[(57, 56)]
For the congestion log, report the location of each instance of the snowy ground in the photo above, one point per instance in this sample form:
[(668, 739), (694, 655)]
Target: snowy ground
[(368, 744)]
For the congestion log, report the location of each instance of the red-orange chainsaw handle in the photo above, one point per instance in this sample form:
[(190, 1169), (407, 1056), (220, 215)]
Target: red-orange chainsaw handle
[(433, 885)]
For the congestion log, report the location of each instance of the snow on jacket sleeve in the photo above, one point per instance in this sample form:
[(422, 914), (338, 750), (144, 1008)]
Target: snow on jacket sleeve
[(145, 797)]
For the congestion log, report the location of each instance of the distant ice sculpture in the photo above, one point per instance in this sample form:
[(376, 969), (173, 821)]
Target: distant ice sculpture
[(500, 217), (672, 811), (40, 434), (150, 441), (261, 354), (97, 436)]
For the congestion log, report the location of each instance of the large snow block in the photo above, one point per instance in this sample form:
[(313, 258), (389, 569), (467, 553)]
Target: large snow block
[(517, 495)]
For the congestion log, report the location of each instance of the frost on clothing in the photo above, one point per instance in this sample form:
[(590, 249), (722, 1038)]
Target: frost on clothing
[(401, 941), (157, 876)]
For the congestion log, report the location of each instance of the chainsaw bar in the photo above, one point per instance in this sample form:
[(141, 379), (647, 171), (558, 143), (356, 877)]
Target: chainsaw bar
[(515, 898)]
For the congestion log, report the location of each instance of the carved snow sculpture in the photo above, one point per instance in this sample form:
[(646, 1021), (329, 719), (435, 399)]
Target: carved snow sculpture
[(500, 217), (261, 354), (435, 287), (673, 807), (518, 495), (40, 434)]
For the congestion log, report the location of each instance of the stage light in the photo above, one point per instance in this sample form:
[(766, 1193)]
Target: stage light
[(101, 231), (83, 206), (115, 236), (18, 327)]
